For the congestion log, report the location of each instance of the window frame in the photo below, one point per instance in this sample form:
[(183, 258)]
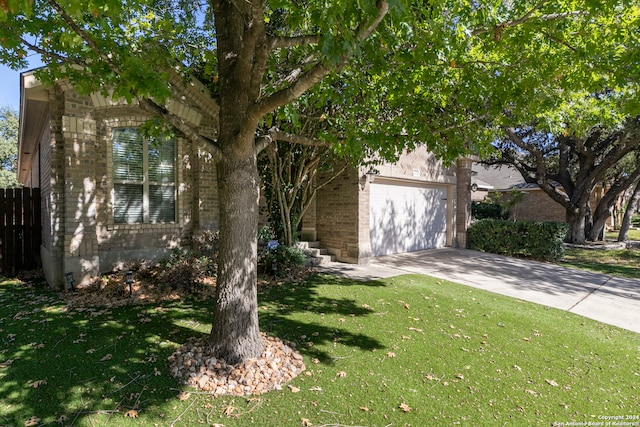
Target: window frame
[(145, 183)]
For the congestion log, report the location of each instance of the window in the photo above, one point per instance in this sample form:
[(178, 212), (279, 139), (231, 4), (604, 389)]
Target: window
[(144, 187)]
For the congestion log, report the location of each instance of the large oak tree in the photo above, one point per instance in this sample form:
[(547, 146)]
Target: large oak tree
[(440, 73)]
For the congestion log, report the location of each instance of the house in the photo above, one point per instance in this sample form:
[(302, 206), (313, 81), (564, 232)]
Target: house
[(110, 195), (536, 204), (416, 203)]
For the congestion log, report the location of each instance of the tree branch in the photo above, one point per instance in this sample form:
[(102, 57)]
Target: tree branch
[(83, 34), (528, 17), (155, 109), (287, 42), (277, 135), (307, 80), (49, 54)]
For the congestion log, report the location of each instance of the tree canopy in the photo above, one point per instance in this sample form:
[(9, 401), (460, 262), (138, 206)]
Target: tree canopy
[(447, 74), (8, 147)]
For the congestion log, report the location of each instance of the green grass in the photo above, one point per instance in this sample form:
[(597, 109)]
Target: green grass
[(634, 234), (449, 354), (618, 262)]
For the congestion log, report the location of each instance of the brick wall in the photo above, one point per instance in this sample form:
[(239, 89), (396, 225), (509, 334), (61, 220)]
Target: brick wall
[(342, 208), (79, 233), (538, 206), (337, 213)]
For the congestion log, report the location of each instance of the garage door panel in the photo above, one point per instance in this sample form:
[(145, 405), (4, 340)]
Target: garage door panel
[(406, 218)]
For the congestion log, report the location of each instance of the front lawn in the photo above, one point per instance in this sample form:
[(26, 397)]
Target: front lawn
[(407, 351), (618, 262)]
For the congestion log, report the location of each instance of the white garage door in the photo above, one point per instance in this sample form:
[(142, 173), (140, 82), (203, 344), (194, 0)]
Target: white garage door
[(407, 218)]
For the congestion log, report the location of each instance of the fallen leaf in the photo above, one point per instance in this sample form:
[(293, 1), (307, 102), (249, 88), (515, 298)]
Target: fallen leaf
[(431, 377), (405, 407), (184, 395), (527, 339), (341, 374), (531, 392), (552, 383), (315, 360), (91, 350), (106, 357), (364, 408), (131, 414), (37, 383), (6, 363), (156, 372), (460, 376), (294, 389), (305, 422), (33, 421), (406, 306), (517, 367), (228, 410), (315, 388), (391, 354)]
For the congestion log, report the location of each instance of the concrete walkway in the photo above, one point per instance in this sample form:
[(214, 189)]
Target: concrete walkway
[(608, 299)]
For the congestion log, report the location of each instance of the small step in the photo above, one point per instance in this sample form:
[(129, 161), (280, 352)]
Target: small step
[(320, 260), (307, 245), (315, 254)]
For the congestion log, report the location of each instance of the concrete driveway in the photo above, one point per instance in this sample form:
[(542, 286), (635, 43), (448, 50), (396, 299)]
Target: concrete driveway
[(608, 299)]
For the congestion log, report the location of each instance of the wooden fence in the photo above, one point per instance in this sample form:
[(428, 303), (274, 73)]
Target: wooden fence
[(20, 229)]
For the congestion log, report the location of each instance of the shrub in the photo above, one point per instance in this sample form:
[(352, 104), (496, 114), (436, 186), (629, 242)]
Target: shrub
[(528, 239), (285, 259), (484, 210), (496, 205)]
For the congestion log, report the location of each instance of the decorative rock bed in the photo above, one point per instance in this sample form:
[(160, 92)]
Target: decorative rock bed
[(278, 364)]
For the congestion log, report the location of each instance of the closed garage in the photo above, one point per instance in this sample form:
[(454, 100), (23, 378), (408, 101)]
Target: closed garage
[(406, 217)]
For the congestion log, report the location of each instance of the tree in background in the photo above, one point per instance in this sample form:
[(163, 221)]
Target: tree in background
[(569, 167), (8, 147), (411, 72)]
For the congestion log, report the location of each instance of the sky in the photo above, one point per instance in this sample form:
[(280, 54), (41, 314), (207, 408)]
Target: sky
[(10, 84)]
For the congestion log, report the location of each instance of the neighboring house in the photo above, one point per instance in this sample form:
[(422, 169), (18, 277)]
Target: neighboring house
[(110, 195), (536, 204)]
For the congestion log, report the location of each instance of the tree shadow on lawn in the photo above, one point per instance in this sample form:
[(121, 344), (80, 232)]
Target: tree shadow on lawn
[(60, 365), (280, 303)]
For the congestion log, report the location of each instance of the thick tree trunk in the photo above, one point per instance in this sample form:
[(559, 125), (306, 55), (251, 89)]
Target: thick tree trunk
[(596, 232), (576, 223), (235, 335), (623, 235)]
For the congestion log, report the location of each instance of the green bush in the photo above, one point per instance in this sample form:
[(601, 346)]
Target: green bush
[(285, 259), (484, 210), (527, 239)]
